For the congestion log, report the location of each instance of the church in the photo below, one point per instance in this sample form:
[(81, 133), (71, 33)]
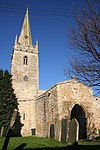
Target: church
[(48, 113)]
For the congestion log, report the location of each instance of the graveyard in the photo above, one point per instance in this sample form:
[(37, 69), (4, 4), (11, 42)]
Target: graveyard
[(35, 143)]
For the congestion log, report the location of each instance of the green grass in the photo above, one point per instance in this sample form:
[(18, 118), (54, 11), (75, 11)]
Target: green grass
[(36, 143), (31, 142)]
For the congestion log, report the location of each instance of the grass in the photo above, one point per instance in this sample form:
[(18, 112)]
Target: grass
[(36, 143)]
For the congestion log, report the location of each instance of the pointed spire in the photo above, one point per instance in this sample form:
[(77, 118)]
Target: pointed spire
[(25, 37)]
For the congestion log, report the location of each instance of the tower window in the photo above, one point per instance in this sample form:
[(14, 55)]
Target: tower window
[(24, 116), (25, 60)]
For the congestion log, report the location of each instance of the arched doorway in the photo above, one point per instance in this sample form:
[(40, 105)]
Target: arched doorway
[(78, 113)]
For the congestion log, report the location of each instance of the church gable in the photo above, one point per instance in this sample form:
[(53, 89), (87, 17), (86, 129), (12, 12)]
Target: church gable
[(58, 102)]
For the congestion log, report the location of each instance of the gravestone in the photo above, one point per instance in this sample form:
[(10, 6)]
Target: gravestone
[(64, 130), (7, 138), (2, 129), (73, 131), (52, 131), (57, 129)]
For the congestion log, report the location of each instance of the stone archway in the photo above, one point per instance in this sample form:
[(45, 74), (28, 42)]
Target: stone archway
[(78, 113)]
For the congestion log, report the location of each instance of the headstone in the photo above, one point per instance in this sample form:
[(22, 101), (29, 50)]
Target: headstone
[(64, 130), (73, 131), (57, 129), (7, 138), (2, 129), (52, 131)]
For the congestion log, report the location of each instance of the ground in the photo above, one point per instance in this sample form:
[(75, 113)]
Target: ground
[(35, 143)]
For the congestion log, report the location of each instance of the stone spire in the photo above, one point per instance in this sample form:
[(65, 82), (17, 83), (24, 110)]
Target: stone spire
[(25, 37)]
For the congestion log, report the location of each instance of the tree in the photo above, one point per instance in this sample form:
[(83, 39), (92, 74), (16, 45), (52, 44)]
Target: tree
[(85, 41), (8, 100), (1, 87)]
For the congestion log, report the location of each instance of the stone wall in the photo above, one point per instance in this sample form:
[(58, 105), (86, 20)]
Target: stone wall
[(27, 113), (46, 111)]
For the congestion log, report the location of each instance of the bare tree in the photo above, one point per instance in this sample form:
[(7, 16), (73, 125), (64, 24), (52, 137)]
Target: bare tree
[(85, 41)]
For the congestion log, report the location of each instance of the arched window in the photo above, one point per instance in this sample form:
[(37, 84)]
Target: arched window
[(24, 116), (25, 60)]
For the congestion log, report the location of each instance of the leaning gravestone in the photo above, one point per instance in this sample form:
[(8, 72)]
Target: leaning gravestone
[(73, 131), (2, 129), (7, 138)]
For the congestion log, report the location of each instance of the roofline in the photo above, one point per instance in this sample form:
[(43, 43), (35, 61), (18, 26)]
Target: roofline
[(62, 82)]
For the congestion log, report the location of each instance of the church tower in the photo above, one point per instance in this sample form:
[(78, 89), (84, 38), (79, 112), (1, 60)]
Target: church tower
[(24, 72)]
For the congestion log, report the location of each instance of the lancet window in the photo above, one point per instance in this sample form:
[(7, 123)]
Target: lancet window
[(25, 60)]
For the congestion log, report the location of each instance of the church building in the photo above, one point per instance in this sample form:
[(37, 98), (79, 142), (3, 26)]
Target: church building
[(48, 113)]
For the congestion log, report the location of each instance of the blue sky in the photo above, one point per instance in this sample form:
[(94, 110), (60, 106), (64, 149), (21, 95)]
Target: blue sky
[(49, 20)]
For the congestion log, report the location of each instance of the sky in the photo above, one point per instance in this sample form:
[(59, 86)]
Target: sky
[(49, 20)]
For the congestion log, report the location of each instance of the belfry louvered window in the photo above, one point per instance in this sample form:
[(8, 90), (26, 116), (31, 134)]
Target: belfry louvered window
[(25, 60)]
